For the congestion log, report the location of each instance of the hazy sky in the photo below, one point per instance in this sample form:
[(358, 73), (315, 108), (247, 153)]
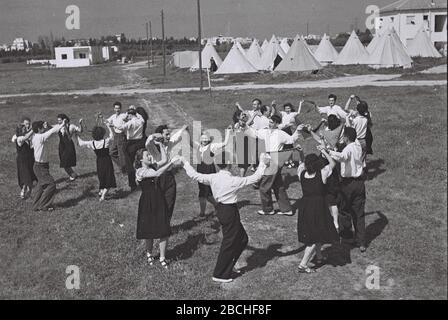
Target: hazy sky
[(253, 18)]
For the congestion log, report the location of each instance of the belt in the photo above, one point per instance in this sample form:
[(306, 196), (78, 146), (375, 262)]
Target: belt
[(350, 179), (227, 204), (42, 163)]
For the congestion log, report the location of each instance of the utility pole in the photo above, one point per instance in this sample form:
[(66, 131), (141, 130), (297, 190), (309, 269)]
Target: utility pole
[(163, 44), (147, 42), (199, 43), (150, 42), (52, 44)]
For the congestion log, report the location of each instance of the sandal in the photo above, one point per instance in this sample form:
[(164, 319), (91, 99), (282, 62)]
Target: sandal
[(306, 269), (150, 258), (164, 263)]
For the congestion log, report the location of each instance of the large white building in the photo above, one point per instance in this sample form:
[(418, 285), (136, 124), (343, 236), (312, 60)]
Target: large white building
[(71, 57), (408, 16)]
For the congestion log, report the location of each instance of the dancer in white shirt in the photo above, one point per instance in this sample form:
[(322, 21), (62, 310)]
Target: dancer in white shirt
[(133, 126), (274, 140), (332, 108), (224, 187), (118, 146), (206, 151), (45, 190), (352, 184)]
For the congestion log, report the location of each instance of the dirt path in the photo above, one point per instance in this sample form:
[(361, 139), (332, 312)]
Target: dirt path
[(377, 80), (436, 70)]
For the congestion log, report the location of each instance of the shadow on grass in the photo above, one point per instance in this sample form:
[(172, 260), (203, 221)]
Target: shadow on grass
[(375, 168), (86, 193), (374, 229), (261, 256), (340, 254), (186, 249), (84, 175)]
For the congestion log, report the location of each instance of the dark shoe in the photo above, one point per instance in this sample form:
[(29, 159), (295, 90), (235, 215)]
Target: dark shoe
[(362, 249)]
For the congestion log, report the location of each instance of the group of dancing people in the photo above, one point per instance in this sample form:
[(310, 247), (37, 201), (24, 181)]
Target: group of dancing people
[(332, 180)]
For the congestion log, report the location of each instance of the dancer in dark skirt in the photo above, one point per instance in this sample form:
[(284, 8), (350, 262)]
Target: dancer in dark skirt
[(315, 224), (25, 157), (104, 165), (67, 151), (206, 151), (153, 221)]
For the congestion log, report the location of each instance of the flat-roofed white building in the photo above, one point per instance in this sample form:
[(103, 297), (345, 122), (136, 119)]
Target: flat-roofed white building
[(408, 16), (72, 57)]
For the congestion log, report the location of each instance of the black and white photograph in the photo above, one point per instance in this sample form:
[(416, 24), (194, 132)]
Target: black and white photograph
[(247, 151)]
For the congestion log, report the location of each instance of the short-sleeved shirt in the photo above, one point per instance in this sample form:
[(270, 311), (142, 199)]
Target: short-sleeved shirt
[(336, 110)]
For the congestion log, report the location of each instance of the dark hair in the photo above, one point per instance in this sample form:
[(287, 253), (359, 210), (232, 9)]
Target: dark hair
[(332, 96), (225, 160), (263, 109), (350, 133), (312, 163), (37, 125), (25, 118), (63, 116), (117, 103), (19, 130), (288, 104), (333, 122), (98, 133), (363, 108), (138, 158), (236, 116), (141, 111), (276, 119), (258, 100), (160, 128)]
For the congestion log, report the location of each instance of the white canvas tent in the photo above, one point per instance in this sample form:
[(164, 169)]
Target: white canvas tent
[(421, 45), (299, 58), (184, 59), (372, 44), (389, 53), (253, 54), (264, 44), (353, 52), (272, 54), (325, 52), (235, 62), (208, 52), (240, 47), (285, 45)]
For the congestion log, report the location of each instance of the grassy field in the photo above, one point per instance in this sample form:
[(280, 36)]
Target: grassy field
[(17, 78), (406, 206), (22, 78)]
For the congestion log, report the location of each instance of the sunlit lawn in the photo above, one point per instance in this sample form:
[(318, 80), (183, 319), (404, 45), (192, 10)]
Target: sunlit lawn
[(406, 205)]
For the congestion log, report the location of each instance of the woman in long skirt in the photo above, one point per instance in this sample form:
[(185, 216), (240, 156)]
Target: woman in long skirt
[(25, 157), (104, 165), (153, 220), (67, 151), (315, 224)]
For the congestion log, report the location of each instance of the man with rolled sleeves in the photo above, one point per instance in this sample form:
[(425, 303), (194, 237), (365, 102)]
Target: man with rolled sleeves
[(352, 184)]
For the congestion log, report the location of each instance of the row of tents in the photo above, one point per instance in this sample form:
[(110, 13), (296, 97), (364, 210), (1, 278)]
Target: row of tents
[(386, 50)]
